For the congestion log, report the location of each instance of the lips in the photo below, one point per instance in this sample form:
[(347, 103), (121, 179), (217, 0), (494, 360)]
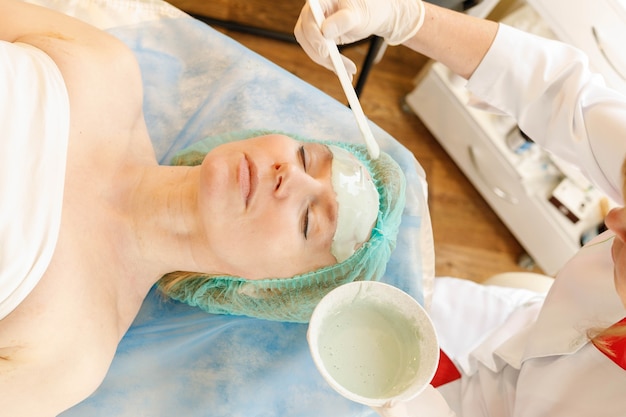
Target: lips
[(247, 179)]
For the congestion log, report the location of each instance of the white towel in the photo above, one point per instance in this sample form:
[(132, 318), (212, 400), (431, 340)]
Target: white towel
[(34, 120)]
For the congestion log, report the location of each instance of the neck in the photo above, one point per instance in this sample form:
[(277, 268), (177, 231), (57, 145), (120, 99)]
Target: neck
[(164, 226)]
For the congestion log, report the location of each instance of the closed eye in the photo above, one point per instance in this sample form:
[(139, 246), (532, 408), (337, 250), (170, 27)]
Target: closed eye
[(305, 224), (305, 220), (302, 155)]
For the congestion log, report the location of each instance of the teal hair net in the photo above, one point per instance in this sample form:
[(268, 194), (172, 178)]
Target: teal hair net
[(293, 299)]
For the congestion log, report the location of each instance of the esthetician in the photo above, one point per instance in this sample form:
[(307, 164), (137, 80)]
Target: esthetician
[(518, 353)]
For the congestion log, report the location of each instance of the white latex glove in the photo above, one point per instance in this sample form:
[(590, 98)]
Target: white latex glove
[(348, 21)]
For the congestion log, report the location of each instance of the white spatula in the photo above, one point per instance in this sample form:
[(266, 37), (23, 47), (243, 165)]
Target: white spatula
[(348, 89)]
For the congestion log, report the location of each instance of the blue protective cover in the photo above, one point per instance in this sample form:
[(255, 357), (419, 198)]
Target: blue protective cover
[(177, 360)]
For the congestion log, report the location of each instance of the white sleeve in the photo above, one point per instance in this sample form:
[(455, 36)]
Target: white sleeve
[(558, 102)]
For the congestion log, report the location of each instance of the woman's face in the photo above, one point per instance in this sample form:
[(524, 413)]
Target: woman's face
[(268, 206), (616, 222)]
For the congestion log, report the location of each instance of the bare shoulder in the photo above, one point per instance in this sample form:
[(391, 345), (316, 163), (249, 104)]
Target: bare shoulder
[(100, 72), (64, 38)]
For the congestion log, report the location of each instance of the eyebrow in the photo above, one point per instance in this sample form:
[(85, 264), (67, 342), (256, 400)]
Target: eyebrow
[(327, 151), (319, 148)]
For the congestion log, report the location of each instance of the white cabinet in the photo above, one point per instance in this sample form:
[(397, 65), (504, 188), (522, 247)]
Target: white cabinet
[(518, 180)]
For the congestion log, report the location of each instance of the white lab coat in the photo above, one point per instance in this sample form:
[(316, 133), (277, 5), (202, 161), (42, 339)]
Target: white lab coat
[(521, 355)]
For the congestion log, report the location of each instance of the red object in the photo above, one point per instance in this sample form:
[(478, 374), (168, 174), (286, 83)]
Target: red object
[(446, 371), (616, 347)]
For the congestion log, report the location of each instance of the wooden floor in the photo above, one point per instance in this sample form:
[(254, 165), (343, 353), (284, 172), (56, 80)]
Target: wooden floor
[(470, 241)]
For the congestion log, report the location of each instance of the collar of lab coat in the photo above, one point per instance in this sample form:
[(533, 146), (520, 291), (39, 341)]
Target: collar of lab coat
[(583, 296)]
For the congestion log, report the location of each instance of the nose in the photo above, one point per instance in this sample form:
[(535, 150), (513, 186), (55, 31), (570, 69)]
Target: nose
[(288, 180)]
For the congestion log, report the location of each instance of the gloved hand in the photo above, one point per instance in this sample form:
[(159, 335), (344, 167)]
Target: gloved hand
[(349, 21)]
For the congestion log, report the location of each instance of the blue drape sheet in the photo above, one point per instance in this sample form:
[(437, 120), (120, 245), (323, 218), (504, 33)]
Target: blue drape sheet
[(177, 360)]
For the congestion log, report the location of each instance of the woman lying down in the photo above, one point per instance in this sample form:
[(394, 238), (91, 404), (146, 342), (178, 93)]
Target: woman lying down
[(89, 221)]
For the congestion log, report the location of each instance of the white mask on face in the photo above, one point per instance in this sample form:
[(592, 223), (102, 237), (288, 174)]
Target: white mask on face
[(357, 200)]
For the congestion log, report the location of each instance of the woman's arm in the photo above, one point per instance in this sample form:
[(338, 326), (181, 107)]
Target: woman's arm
[(53, 32), (70, 42), (19, 19), (457, 40), (545, 85), (100, 72), (549, 88)]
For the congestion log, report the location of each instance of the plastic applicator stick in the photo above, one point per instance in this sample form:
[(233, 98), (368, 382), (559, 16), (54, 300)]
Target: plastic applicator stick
[(348, 89)]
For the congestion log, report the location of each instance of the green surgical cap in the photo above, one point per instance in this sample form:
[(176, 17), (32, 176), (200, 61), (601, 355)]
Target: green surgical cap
[(293, 299)]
